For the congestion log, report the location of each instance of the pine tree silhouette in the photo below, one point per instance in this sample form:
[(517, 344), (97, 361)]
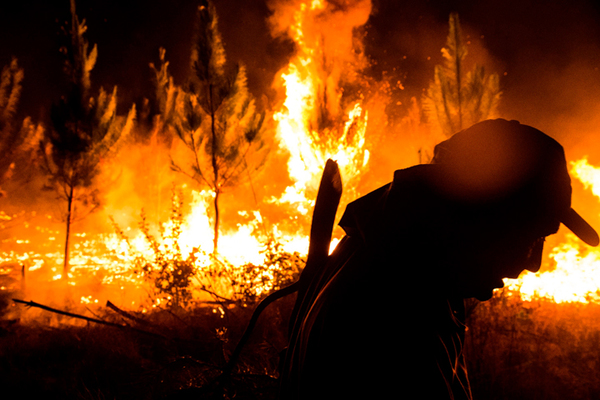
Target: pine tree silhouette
[(85, 132), (457, 99), (216, 117)]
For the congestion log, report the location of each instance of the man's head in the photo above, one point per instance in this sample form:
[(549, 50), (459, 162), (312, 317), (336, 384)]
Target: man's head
[(513, 180)]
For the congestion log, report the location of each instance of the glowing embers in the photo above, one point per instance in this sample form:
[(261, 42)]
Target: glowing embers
[(115, 267)]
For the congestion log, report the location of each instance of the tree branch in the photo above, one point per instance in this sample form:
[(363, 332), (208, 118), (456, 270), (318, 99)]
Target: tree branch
[(98, 321)]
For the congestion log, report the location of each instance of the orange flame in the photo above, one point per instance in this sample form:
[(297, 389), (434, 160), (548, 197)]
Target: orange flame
[(312, 87), (326, 59)]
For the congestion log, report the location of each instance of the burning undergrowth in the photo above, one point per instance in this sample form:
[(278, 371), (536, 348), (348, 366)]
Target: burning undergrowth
[(197, 220), (533, 349), (206, 197)]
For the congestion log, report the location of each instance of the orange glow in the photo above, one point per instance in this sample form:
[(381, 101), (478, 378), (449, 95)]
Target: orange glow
[(316, 117), (313, 122), (312, 84), (574, 275)]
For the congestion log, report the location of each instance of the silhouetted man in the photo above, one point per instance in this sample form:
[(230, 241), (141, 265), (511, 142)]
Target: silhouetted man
[(384, 317)]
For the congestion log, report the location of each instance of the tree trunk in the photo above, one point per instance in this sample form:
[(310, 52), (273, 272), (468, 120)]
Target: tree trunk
[(216, 234), (215, 167), (458, 61), (68, 234)]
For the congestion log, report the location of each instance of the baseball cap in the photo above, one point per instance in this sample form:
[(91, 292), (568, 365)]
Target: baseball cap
[(497, 160)]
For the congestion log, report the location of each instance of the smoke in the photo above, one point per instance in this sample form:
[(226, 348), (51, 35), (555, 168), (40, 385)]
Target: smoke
[(325, 39), (551, 57), (330, 23)]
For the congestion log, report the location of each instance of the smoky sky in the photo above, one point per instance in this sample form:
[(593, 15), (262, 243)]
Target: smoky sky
[(547, 54)]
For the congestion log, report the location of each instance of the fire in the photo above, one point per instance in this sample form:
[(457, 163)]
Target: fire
[(588, 175), (317, 120), (321, 115), (313, 91), (576, 273)]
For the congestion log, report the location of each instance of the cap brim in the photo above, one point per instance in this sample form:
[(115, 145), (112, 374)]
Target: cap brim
[(580, 227)]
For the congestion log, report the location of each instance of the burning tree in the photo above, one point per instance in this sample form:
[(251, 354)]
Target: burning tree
[(165, 95), (216, 117), (323, 115), (85, 131), (457, 99)]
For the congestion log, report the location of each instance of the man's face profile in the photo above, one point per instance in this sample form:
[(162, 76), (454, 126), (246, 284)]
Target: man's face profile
[(502, 257)]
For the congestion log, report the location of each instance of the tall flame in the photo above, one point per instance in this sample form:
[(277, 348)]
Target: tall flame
[(321, 117), (309, 125)]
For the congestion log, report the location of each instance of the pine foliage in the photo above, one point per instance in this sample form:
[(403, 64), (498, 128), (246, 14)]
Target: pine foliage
[(221, 135), (18, 145), (10, 137), (165, 93), (10, 91), (457, 99)]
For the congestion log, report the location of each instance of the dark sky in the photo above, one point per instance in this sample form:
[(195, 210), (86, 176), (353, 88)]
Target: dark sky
[(128, 35), (547, 53)]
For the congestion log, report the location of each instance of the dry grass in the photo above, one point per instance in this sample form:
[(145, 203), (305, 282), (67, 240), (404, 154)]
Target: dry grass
[(537, 350), (515, 350), (101, 362)]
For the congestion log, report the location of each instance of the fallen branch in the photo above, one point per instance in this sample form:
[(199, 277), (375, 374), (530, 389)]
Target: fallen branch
[(126, 314), (79, 316)]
